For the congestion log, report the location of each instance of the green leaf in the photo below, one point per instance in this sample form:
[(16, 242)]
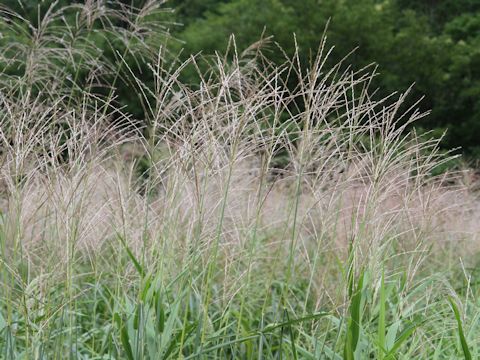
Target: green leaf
[(132, 257), (391, 335), (188, 330), (3, 323), (292, 337), (381, 318), (126, 342), (222, 345), (463, 340), (160, 314), (353, 327), (137, 316), (270, 327), (404, 335), (146, 287), (117, 320)]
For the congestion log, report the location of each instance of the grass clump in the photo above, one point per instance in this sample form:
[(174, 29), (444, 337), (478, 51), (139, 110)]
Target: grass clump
[(181, 236)]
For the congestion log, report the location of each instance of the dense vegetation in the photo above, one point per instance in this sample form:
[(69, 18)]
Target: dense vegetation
[(263, 202), (434, 44)]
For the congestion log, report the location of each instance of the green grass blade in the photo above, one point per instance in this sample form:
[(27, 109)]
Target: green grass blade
[(222, 345), (160, 313), (404, 335), (273, 326), (461, 335), (126, 342), (292, 337), (131, 256), (381, 319), (353, 327)]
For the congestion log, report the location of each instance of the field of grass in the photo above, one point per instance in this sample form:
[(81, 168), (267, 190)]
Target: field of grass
[(243, 218)]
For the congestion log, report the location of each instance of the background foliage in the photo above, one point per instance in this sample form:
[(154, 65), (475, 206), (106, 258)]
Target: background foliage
[(434, 44)]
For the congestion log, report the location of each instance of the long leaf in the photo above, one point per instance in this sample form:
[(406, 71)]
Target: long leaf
[(126, 342), (463, 340), (381, 318), (353, 328)]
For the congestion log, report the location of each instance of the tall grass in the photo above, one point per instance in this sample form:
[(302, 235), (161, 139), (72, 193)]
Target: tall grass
[(243, 217)]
